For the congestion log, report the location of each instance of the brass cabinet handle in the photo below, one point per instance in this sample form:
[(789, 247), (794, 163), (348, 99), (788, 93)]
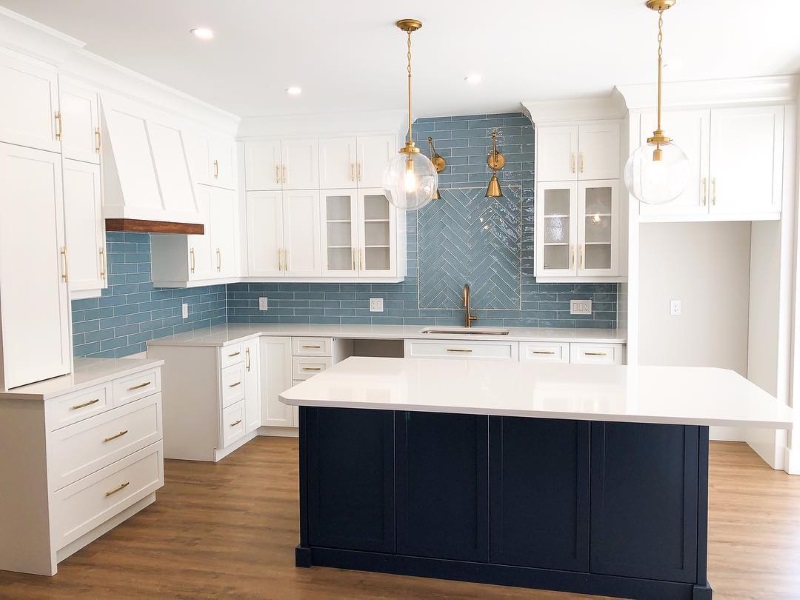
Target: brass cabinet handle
[(551, 352), (277, 174), (704, 189), (311, 347), (191, 256), (216, 169), (353, 257), (65, 274), (138, 387), (352, 171), (98, 143), (312, 368), (360, 260), (572, 162), (59, 126), (234, 354), (102, 252), (572, 257), (583, 256), (235, 423), (583, 163), (247, 355), (285, 259), (459, 349), (596, 353), (233, 385), (119, 488), (115, 436), (285, 173), (219, 260), (84, 404), (358, 171), (279, 260), (714, 191)]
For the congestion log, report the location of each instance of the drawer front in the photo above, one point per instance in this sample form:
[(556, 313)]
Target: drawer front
[(312, 346), (462, 350), (82, 506), (75, 407), (231, 355), (232, 382), (601, 354), (544, 352), (83, 448), (233, 423), (137, 386), (303, 368)]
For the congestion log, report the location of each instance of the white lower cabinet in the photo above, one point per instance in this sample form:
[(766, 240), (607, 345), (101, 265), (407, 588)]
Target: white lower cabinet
[(460, 349), (83, 462), (252, 384), (276, 364), (595, 353), (551, 352)]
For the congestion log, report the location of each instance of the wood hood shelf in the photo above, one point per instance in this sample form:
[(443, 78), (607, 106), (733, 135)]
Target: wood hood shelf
[(142, 226)]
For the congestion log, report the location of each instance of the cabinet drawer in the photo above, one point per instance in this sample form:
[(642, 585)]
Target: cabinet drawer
[(461, 350), (544, 352), (137, 386), (601, 354), (82, 506), (312, 346), (303, 368), (83, 448), (233, 423), (232, 382), (230, 355), (77, 406)]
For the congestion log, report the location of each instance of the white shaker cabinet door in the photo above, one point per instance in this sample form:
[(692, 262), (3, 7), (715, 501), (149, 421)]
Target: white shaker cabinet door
[(276, 377), (80, 139), (264, 233), (337, 163), (223, 162), (34, 299), (598, 151), (201, 261), (374, 153), (262, 165), (85, 231), (301, 246), (300, 164), (222, 216), (556, 153), (252, 384)]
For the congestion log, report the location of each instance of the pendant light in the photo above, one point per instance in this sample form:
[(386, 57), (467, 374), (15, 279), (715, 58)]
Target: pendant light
[(496, 161), (410, 180), (658, 171)]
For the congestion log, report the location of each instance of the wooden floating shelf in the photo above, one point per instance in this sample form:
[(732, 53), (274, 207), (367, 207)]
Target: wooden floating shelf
[(140, 226)]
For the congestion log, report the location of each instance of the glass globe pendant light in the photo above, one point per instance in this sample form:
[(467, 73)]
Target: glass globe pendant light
[(658, 171), (410, 180)]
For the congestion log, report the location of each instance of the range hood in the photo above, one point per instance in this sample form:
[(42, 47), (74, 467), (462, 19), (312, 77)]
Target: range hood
[(147, 186)]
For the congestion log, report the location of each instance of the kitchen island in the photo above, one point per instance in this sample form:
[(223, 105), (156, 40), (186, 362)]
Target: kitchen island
[(583, 478)]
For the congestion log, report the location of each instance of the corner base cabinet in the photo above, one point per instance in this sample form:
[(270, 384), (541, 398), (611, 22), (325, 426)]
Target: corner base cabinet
[(616, 509)]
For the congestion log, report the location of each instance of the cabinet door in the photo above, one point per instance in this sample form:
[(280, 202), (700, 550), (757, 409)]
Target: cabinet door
[(556, 229), (198, 157), (224, 228), (556, 153), (598, 151), (644, 491), (34, 299), (689, 130), (201, 255), (262, 165), (539, 493), (300, 164), (29, 103), (301, 244), (264, 233), (337, 163), (377, 235), (374, 153), (749, 142), (442, 485), (339, 233), (84, 225), (598, 228), (80, 139), (276, 377), (252, 384), (223, 163), (350, 478), (174, 180)]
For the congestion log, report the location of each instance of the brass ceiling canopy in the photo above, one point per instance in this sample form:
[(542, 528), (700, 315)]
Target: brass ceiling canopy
[(411, 25), (660, 4), (496, 161)]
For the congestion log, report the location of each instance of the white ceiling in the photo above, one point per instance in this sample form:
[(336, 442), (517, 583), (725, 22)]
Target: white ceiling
[(347, 55)]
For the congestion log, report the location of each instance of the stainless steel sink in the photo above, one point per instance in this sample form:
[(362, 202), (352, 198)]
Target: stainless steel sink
[(466, 330)]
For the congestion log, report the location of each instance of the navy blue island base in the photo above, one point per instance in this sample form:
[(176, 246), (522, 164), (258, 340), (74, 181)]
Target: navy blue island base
[(614, 509)]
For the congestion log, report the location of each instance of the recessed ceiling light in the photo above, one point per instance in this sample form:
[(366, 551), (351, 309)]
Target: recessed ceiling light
[(474, 78), (202, 33), (294, 90)]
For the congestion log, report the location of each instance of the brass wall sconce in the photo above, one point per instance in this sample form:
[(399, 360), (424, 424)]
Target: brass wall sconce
[(439, 163), (496, 162)]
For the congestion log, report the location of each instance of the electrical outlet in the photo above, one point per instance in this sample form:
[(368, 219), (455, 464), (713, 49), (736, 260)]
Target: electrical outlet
[(185, 310), (675, 308), (376, 305), (580, 307), (262, 303)]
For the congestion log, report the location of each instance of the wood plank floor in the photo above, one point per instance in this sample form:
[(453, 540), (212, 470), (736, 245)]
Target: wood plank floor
[(228, 530)]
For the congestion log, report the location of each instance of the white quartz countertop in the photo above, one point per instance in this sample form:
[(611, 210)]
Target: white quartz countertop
[(664, 395), (225, 334), (87, 373)]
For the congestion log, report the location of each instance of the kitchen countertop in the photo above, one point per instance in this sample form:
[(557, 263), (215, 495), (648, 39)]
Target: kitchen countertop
[(662, 395), (224, 334), (87, 373)]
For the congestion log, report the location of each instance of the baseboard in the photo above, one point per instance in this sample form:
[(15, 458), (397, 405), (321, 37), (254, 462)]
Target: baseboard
[(727, 434), (223, 452), (289, 432), (791, 461)]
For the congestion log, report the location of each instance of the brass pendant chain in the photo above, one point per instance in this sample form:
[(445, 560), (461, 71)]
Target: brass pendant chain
[(410, 139)]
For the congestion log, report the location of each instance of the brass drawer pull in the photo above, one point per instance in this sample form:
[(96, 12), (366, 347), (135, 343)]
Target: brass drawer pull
[(85, 404), (544, 352), (459, 349), (247, 354), (312, 347), (98, 145), (216, 169), (59, 126), (235, 423), (138, 387), (234, 354), (312, 368), (596, 353), (191, 256), (232, 385), (118, 489), (115, 436)]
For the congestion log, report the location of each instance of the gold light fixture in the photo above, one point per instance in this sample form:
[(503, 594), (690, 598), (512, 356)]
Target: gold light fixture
[(658, 171), (496, 162), (410, 180), (439, 164)]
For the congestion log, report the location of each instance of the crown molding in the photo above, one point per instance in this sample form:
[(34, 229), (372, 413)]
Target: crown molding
[(575, 109)]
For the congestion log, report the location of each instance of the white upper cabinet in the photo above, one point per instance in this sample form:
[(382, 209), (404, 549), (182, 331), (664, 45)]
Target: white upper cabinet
[(264, 233), (556, 153), (598, 151), (85, 231), (377, 235), (337, 163), (80, 117), (172, 170), (29, 103), (340, 227), (199, 246), (281, 164), (222, 153), (262, 165), (224, 230), (300, 166), (374, 153), (198, 156), (35, 315), (583, 152)]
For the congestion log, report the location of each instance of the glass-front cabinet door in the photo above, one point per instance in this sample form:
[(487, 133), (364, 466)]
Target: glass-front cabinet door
[(556, 229), (375, 255), (598, 224), (340, 232)]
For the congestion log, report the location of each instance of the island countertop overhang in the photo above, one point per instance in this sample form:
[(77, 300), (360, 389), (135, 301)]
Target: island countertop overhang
[(657, 395)]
